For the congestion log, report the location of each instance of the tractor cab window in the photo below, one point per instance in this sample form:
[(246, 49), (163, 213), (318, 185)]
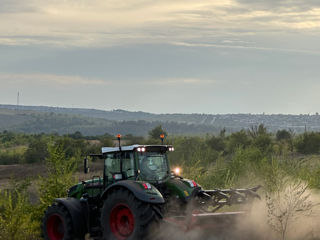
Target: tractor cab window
[(113, 169), (112, 166), (128, 168), (153, 166)]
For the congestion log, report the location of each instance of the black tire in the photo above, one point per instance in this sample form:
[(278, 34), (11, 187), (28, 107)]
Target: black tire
[(57, 224), (124, 217)]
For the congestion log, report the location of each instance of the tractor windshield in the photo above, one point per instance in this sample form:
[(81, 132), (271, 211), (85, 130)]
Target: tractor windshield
[(153, 166)]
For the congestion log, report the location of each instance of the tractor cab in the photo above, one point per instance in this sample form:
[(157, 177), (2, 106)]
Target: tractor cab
[(136, 162), (148, 163)]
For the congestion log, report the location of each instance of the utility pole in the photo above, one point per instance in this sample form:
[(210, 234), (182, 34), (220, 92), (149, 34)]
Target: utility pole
[(18, 99)]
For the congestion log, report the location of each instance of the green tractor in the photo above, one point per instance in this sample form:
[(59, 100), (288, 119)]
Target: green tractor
[(137, 193)]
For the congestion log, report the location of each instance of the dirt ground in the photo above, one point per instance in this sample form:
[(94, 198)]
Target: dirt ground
[(19, 172), (32, 171)]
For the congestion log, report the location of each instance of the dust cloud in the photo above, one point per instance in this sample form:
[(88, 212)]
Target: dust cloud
[(302, 223)]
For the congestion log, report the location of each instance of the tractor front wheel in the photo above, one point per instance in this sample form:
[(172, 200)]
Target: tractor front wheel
[(124, 217), (57, 224)]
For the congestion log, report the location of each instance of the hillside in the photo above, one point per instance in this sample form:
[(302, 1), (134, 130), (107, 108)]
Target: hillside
[(27, 121), (37, 119)]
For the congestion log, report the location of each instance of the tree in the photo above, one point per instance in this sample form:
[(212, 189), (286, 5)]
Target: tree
[(76, 135), (156, 132), (308, 143), (263, 142), (37, 151), (16, 222), (256, 131), (72, 147), (283, 135), (217, 143), (287, 204), (260, 138), (60, 177), (238, 140), (7, 136)]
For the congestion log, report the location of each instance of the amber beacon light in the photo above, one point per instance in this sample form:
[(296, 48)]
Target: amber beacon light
[(162, 138)]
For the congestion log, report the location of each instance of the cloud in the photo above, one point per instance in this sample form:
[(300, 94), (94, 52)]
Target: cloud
[(66, 80), (283, 5), (107, 23), (181, 81), (16, 6), (49, 79), (236, 45)]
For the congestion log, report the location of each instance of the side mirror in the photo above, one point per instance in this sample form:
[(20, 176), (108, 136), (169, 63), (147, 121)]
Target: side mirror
[(86, 168)]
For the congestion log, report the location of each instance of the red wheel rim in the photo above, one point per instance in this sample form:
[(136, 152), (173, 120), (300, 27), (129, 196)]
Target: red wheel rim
[(55, 228), (121, 221)]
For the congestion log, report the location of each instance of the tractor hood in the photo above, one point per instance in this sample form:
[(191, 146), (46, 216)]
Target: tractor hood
[(182, 188), (91, 186)]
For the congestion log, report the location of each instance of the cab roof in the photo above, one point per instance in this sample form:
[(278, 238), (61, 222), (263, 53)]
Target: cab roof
[(132, 148)]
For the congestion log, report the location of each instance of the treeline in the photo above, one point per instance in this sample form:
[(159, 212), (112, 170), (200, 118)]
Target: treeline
[(18, 148), (42, 122), (14, 115)]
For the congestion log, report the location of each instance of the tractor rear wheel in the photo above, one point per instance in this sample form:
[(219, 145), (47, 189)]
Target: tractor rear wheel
[(57, 224), (124, 217)]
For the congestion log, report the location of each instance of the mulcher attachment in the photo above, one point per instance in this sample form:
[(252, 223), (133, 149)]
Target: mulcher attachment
[(204, 215), (213, 200)]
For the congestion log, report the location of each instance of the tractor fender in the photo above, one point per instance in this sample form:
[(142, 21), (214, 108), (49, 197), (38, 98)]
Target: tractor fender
[(145, 195), (78, 213)]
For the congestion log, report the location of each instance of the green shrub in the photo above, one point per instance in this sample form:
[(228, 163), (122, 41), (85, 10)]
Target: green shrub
[(308, 143), (12, 156), (238, 140), (217, 143), (16, 221), (37, 151), (60, 177)]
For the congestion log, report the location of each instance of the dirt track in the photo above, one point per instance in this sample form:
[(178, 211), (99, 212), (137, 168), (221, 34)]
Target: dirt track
[(23, 171), (19, 172)]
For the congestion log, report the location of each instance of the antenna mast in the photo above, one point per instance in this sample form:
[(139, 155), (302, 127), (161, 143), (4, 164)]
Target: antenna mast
[(18, 99)]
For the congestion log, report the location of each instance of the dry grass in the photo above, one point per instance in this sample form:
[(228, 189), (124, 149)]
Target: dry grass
[(32, 171), (19, 172)]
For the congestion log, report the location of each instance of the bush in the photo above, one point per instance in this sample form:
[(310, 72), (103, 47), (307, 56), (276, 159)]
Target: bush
[(16, 222), (217, 143), (12, 156), (71, 147), (283, 135), (238, 140), (189, 150), (308, 143), (286, 205), (60, 177), (19, 220), (37, 151)]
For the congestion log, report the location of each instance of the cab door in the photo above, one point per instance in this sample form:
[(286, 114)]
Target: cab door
[(112, 168), (119, 166)]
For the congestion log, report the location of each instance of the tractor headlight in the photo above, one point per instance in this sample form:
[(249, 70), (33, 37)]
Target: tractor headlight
[(141, 149), (177, 171)]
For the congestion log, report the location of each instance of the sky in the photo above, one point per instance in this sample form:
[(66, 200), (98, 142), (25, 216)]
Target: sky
[(168, 56)]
